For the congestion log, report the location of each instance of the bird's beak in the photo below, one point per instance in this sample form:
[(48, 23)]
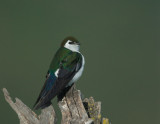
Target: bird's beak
[(78, 44)]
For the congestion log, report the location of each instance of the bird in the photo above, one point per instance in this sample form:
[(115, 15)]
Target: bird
[(65, 69)]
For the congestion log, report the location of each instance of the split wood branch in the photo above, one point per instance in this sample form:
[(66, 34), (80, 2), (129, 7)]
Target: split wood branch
[(74, 110), (27, 116)]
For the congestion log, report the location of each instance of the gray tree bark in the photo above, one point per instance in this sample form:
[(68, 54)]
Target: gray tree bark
[(73, 109)]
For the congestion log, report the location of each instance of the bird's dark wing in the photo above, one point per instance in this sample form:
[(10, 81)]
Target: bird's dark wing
[(54, 85), (50, 80)]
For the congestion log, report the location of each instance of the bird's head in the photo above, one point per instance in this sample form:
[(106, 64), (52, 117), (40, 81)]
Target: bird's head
[(71, 43)]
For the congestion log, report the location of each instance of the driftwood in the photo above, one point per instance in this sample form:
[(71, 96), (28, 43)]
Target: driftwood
[(73, 109)]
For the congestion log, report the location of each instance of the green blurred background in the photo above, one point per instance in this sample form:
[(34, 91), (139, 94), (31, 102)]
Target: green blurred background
[(119, 41)]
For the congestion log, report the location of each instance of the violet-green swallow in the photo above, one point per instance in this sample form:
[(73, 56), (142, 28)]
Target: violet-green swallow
[(65, 69)]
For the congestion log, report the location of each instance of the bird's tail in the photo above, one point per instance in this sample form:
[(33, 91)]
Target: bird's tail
[(63, 92), (41, 105)]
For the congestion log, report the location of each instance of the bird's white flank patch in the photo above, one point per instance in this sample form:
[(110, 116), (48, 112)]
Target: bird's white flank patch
[(56, 73), (79, 73)]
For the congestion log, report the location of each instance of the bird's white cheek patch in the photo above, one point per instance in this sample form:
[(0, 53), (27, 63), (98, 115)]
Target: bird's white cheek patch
[(56, 73)]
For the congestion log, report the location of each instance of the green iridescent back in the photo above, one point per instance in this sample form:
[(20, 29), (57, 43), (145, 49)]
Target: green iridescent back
[(66, 57)]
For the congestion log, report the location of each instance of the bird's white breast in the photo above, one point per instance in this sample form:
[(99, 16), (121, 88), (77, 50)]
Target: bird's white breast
[(79, 73)]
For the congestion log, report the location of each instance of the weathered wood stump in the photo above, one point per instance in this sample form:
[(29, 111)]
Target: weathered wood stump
[(73, 109)]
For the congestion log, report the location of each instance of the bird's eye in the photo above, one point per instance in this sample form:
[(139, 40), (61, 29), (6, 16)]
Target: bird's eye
[(70, 42)]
